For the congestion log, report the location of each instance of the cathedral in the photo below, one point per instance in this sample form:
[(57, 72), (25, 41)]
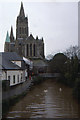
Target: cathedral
[(25, 45)]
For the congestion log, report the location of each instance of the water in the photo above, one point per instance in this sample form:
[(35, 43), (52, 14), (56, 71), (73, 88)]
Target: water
[(46, 100)]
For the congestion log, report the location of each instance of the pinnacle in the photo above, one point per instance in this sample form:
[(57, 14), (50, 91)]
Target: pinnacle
[(7, 37), (22, 14), (11, 35)]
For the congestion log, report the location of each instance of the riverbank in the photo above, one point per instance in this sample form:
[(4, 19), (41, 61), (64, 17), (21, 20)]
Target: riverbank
[(13, 94), (34, 82), (75, 85)]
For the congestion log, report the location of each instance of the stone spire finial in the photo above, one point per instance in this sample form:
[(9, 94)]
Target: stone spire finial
[(22, 14), (11, 35), (36, 37)]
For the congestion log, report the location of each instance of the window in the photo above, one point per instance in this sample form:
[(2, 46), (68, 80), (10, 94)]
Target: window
[(21, 76), (18, 78), (13, 78), (30, 49), (25, 30), (20, 30), (27, 49), (34, 49), (8, 77)]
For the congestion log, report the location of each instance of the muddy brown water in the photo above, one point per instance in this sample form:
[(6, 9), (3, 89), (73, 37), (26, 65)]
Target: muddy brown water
[(46, 100)]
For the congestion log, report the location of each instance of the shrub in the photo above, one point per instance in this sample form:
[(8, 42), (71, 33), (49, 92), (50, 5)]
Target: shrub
[(37, 80), (76, 90), (69, 79)]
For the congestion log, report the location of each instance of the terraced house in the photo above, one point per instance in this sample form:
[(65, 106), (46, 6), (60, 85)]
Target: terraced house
[(13, 68)]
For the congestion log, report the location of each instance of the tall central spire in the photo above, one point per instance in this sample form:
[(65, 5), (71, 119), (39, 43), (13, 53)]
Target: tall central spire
[(21, 24), (22, 14)]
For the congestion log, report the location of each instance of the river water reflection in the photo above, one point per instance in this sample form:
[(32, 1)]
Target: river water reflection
[(46, 100)]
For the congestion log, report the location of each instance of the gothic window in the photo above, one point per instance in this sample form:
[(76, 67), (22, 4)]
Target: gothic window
[(34, 49), (27, 49), (30, 49), (25, 30), (20, 30)]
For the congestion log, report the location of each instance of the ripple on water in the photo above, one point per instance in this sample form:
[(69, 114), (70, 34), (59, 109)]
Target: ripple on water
[(46, 101), (18, 112), (16, 116), (10, 117)]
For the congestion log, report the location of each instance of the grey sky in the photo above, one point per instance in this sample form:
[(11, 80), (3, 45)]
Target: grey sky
[(56, 22)]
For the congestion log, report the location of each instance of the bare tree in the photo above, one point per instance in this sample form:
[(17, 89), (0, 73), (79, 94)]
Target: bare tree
[(72, 51)]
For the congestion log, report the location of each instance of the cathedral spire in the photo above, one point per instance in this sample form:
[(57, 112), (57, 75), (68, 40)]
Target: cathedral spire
[(22, 14), (11, 35)]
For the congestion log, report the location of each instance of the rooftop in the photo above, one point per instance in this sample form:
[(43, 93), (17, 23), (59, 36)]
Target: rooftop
[(7, 57)]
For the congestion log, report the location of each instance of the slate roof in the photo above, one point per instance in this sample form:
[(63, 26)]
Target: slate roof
[(7, 57)]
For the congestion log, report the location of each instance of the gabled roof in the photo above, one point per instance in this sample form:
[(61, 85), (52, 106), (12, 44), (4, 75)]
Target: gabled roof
[(7, 38), (7, 57), (30, 37), (11, 56)]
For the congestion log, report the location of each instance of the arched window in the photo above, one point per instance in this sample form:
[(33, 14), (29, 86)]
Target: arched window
[(20, 30), (30, 49), (34, 49), (25, 30), (27, 49)]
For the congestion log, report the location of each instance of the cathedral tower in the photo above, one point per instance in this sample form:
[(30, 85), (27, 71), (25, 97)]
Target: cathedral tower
[(21, 24), (24, 44)]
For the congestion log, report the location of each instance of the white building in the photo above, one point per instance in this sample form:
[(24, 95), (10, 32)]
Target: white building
[(13, 68)]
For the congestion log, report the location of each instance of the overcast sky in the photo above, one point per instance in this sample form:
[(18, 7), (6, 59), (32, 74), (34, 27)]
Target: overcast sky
[(56, 22)]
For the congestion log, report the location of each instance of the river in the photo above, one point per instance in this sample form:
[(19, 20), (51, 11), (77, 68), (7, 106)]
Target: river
[(46, 100)]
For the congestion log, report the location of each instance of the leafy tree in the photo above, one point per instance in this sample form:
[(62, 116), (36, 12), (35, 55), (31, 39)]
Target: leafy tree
[(57, 63)]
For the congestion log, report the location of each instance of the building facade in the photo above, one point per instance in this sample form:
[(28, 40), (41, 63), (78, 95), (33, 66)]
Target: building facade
[(13, 68), (24, 44)]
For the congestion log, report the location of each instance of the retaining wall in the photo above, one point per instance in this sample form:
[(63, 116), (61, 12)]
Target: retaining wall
[(12, 91)]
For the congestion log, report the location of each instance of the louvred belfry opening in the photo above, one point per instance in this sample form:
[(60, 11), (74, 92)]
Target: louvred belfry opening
[(22, 24)]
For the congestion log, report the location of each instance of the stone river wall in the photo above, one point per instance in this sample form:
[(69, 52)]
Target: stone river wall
[(16, 90)]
